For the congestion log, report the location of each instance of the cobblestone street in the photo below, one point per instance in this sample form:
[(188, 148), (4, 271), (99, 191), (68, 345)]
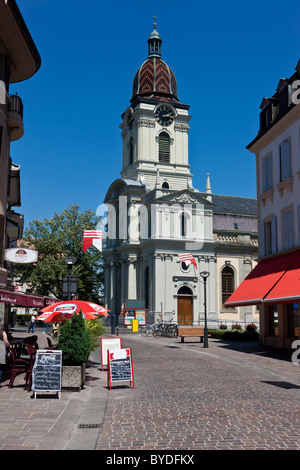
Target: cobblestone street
[(187, 397)]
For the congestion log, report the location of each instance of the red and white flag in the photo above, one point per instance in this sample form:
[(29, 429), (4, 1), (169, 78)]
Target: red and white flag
[(188, 259), (92, 237)]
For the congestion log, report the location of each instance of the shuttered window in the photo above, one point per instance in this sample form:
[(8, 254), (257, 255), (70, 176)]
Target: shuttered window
[(227, 284), (285, 160), (288, 230), (164, 148)]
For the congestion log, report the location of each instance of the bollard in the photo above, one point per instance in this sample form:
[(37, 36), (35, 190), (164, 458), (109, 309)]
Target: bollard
[(135, 326)]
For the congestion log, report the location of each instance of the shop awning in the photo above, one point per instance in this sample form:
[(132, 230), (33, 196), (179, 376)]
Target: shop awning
[(262, 279), (26, 300), (287, 288)]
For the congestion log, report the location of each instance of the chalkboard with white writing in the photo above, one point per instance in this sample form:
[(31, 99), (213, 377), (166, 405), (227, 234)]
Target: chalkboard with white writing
[(47, 371), (120, 366)]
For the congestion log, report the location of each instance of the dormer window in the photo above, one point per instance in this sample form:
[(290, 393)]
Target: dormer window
[(284, 95)]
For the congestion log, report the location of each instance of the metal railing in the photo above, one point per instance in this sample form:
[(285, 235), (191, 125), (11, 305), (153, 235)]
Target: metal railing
[(16, 105)]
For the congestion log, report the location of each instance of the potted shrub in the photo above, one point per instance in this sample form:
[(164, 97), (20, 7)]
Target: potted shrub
[(75, 344), (251, 327), (236, 326)]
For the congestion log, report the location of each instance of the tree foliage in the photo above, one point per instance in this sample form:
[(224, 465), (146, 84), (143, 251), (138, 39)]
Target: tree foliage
[(55, 239)]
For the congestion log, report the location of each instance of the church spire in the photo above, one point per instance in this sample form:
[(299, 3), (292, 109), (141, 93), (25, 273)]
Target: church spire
[(154, 42), (208, 189)]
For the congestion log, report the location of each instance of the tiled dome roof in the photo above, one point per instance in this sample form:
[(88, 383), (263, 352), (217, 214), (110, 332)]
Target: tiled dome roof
[(155, 78)]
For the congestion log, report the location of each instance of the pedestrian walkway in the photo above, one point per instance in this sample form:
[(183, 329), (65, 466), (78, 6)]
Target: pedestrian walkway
[(229, 396)]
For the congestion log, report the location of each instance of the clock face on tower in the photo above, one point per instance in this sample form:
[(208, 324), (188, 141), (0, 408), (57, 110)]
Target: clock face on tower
[(164, 115)]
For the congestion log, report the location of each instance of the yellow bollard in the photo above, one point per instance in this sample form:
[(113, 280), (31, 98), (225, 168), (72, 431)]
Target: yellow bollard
[(135, 326)]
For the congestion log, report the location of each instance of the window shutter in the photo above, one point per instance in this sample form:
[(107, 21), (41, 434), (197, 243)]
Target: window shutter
[(285, 163), (269, 173), (274, 234), (262, 239), (288, 238), (164, 148)]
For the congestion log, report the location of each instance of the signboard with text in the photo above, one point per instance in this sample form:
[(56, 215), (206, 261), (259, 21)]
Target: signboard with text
[(120, 366), (106, 344), (47, 371)]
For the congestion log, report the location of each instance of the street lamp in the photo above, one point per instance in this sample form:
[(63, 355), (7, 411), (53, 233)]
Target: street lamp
[(204, 275), (69, 282)]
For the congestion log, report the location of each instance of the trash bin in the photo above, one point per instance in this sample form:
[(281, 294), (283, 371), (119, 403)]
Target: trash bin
[(135, 326)]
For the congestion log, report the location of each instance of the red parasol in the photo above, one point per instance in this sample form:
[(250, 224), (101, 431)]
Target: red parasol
[(64, 310)]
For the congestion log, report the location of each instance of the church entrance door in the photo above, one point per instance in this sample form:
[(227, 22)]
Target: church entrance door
[(185, 306)]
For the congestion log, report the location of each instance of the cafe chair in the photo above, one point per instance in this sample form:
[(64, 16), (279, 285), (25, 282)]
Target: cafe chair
[(28, 374), (30, 349), (51, 346), (31, 340), (19, 366)]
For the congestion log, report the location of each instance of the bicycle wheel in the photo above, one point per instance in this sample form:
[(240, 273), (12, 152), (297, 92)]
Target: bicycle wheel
[(142, 330), (157, 333)]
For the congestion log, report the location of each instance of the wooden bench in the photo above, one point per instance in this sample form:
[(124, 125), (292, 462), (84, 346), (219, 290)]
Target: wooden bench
[(192, 332)]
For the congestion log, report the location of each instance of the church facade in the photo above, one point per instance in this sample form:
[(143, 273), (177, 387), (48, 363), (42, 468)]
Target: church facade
[(155, 214)]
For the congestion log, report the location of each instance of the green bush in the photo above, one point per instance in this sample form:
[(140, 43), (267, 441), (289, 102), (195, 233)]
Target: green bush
[(234, 335), (74, 341), (240, 336), (96, 329)]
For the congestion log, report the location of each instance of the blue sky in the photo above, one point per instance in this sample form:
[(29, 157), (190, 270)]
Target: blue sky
[(226, 57)]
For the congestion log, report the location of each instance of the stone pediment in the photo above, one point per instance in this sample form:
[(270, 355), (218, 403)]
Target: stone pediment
[(183, 197)]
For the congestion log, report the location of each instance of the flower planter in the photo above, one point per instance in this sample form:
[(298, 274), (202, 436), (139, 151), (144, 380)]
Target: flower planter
[(73, 377)]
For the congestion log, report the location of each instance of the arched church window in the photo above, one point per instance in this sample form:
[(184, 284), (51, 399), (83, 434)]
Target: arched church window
[(227, 281), (183, 224), (131, 151), (165, 185), (164, 147)]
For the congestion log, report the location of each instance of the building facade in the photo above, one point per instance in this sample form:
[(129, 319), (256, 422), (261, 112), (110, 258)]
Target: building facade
[(19, 60), (155, 213), (274, 284)]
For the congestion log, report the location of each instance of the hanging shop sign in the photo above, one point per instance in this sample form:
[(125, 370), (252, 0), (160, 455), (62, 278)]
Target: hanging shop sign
[(21, 255)]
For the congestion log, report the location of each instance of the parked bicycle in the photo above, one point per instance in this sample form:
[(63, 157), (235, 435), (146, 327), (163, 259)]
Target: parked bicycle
[(148, 330), (166, 329)]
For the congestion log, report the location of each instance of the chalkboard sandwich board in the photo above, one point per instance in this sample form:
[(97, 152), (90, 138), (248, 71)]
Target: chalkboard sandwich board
[(120, 366), (47, 371)]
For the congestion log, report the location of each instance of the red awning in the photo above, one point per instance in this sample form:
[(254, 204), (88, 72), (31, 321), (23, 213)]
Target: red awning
[(287, 288), (25, 300), (261, 280)]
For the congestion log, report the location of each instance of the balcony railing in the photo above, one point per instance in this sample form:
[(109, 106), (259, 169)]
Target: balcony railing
[(15, 117), (16, 105)]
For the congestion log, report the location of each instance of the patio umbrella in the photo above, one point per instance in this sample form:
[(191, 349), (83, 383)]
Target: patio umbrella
[(64, 310)]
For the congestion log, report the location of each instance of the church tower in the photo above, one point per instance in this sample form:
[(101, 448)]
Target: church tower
[(154, 213), (155, 126)]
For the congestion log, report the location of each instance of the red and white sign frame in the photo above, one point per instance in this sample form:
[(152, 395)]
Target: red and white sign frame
[(116, 355)]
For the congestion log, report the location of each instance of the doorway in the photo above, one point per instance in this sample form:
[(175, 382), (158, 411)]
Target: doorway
[(185, 306)]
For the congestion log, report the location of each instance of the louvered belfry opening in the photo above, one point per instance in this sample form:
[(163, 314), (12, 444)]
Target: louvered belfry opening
[(164, 148)]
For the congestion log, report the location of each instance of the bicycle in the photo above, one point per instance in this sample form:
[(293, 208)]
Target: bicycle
[(166, 329), (148, 330)]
